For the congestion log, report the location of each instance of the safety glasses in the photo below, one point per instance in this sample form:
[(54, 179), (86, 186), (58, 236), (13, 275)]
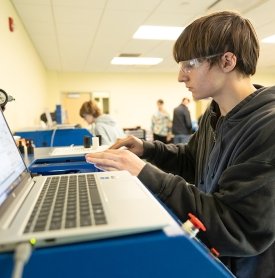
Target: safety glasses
[(188, 65)]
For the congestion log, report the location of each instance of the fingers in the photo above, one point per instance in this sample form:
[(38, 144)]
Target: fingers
[(105, 168), (123, 142), (100, 156), (103, 164), (119, 143), (109, 159)]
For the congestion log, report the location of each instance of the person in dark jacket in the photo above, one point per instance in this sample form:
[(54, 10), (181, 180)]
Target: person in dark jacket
[(225, 175), (182, 124)]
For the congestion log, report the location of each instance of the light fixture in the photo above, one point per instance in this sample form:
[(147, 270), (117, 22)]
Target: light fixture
[(151, 32), (270, 39), (136, 61), (73, 95)]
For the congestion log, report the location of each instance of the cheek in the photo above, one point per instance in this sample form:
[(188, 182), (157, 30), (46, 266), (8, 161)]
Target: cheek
[(204, 85), (203, 80), (89, 119)]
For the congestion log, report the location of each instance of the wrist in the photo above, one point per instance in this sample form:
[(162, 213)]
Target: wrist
[(138, 168)]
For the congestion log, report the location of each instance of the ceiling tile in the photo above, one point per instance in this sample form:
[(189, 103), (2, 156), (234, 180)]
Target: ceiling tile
[(84, 35)]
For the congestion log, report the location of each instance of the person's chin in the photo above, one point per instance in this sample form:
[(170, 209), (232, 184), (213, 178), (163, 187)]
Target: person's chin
[(196, 97)]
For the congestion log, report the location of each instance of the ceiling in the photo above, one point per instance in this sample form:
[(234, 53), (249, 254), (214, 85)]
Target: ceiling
[(84, 35)]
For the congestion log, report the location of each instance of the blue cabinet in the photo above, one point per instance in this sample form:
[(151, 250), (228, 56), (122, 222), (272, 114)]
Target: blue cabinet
[(55, 137)]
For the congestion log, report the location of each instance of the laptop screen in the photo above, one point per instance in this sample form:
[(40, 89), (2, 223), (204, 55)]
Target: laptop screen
[(11, 163)]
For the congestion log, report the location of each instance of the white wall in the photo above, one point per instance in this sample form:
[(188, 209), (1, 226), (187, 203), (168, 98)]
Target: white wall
[(22, 74), (264, 78), (133, 97)]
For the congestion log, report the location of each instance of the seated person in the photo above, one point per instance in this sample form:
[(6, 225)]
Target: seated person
[(44, 119), (104, 125)]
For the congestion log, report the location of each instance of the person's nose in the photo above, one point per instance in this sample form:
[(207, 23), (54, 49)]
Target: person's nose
[(182, 76)]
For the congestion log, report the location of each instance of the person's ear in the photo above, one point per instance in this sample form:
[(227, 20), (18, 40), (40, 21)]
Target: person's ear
[(228, 61)]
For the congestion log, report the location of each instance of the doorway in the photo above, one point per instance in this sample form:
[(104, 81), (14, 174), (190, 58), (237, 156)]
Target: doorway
[(102, 99), (71, 103)]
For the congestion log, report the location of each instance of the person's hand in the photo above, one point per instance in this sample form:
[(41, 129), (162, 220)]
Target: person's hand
[(131, 143), (121, 159)]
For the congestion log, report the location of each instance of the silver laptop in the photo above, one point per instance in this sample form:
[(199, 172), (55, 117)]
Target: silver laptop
[(50, 210)]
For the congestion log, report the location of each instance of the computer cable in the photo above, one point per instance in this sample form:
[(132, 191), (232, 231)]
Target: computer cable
[(21, 256), (52, 137)]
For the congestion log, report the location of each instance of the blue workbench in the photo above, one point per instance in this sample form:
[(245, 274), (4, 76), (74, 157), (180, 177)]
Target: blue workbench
[(42, 163), (152, 255), (54, 137)]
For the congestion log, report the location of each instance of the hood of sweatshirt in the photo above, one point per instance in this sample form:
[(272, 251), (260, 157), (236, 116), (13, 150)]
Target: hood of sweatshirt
[(237, 137), (257, 101)]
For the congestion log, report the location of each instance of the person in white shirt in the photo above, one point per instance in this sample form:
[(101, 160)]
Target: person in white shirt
[(161, 123)]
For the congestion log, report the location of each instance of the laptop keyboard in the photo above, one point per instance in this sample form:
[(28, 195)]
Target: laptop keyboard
[(67, 202)]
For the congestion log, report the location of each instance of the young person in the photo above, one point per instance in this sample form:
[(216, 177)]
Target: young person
[(225, 174), (161, 123), (104, 125), (182, 124)]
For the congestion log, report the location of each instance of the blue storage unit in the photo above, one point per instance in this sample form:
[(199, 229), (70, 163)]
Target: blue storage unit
[(55, 137), (61, 165), (43, 163), (152, 255)]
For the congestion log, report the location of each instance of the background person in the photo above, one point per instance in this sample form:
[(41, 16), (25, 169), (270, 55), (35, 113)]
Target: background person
[(104, 125), (225, 174), (182, 124), (161, 123)]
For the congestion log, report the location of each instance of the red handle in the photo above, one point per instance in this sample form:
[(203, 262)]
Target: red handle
[(196, 222)]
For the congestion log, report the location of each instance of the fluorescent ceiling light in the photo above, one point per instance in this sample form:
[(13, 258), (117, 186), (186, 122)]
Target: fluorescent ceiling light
[(150, 32), (136, 61), (270, 39), (73, 95)]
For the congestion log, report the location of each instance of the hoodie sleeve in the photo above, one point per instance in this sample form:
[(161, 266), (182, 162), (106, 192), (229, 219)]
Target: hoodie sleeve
[(239, 217), (177, 159), (240, 214)]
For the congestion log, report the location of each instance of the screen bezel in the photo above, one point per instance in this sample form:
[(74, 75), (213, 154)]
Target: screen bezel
[(16, 187)]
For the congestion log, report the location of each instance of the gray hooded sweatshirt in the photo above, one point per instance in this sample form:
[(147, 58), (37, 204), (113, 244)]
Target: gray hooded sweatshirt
[(107, 128)]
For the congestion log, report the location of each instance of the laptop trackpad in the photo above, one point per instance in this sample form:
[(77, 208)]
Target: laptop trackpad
[(123, 190)]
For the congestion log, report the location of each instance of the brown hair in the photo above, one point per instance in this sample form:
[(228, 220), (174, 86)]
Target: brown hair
[(185, 98), (218, 33), (90, 108), (160, 101)]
